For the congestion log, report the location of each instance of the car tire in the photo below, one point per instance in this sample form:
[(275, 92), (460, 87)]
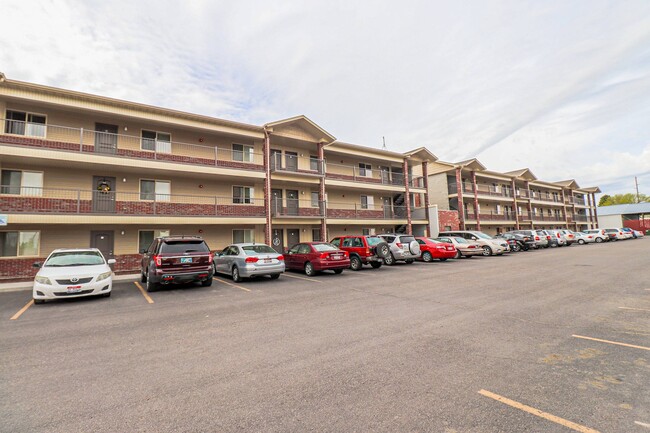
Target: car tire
[(338, 271), (355, 263), (487, 251), (426, 256), (309, 269), (207, 283), (275, 276), (39, 301), (414, 247), (389, 260), (581, 241), (143, 277), (458, 255), (599, 240), (376, 265), (236, 277), (382, 250), (149, 286), (516, 248)]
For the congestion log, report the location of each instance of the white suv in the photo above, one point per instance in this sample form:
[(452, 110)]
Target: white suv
[(490, 245), (402, 248)]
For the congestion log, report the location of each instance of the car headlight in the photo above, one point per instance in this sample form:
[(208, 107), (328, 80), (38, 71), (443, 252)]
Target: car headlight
[(43, 280), (104, 275)]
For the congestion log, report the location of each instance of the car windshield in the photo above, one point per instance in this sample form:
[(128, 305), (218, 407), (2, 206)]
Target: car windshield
[(75, 258), (184, 246), (483, 235), (324, 247), (251, 250), (374, 241)]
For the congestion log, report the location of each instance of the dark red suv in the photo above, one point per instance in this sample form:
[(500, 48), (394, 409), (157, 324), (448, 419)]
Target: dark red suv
[(363, 250), (177, 259)]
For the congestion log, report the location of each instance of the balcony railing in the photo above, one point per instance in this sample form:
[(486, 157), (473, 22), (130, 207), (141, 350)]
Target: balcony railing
[(127, 146), (580, 218), (416, 182), (575, 200), (359, 211), (537, 217), (545, 197), (496, 216), (297, 208), (290, 163), (70, 201), (358, 174)]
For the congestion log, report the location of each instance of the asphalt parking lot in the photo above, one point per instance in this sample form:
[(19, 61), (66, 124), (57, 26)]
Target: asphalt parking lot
[(539, 341)]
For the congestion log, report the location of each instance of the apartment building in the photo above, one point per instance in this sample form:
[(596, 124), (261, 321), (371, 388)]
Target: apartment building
[(471, 197), (80, 170)]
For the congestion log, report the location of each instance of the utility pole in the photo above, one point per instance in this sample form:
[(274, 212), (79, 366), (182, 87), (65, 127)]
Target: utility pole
[(636, 182)]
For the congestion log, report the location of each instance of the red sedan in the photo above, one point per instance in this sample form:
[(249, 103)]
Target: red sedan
[(435, 250), (313, 257)]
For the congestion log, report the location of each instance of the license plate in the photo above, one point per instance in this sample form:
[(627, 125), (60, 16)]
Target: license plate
[(74, 289), (337, 257), (268, 260), (186, 259)]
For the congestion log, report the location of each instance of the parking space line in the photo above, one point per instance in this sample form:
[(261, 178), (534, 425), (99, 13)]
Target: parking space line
[(611, 342), (301, 278), (144, 293), (22, 310), (642, 424), (231, 284), (635, 309), (537, 412)]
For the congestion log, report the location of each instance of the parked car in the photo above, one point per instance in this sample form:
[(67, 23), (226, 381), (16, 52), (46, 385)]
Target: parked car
[(433, 249), (402, 248), (175, 260), (599, 235), (517, 242), (540, 239), (313, 257), (464, 248), (551, 241), (569, 236), (72, 273), (247, 260), (584, 238), (490, 245), (628, 233), (614, 234), (363, 250), (557, 238), (639, 233)]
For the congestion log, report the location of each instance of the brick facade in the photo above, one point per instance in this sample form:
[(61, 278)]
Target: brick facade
[(448, 218)]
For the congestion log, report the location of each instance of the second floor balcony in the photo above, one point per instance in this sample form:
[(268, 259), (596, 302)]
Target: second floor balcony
[(364, 211)]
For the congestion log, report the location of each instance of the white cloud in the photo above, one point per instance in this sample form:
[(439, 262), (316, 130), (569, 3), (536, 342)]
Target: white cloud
[(561, 88)]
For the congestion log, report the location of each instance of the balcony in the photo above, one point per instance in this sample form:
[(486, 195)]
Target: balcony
[(492, 191), (545, 197), (358, 174), (82, 141), (496, 216), (580, 218), (289, 163), (364, 212), (554, 218), (295, 208), (576, 201), (86, 202)]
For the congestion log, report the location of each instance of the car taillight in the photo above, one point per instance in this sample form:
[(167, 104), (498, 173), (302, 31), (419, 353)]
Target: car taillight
[(211, 257), (251, 259), (158, 260), (399, 244), (472, 246), (281, 258), (536, 238), (367, 251), (548, 237), (324, 255)]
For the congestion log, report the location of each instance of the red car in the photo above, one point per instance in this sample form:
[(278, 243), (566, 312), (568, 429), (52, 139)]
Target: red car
[(435, 250), (313, 257)]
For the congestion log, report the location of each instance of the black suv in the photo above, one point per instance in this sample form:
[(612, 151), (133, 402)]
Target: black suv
[(176, 259)]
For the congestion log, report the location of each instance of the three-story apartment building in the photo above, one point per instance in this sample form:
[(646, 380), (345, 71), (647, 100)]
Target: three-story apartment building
[(495, 202), (80, 170)]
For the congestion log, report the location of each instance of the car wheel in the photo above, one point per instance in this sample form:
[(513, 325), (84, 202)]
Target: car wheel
[(376, 265), (338, 271), (458, 255), (382, 250), (355, 263), (275, 276), (235, 274), (389, 259), (207, 283), (409, 261), (516, 248), (149, 285), (487, 251), (39, 301), (581, 241), (309, 269), (599, 240), (426, 256)]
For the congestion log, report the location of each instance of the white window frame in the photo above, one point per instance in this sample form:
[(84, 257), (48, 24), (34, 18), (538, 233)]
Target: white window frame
[(160, 146), (20, 232), (30, 191), (158, 197), (28, 125), (251, 199), (247, 152), (367, 169), (370, 201), (251, 232)]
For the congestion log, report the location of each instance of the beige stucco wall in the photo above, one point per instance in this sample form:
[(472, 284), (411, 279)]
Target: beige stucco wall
[(438, 191)]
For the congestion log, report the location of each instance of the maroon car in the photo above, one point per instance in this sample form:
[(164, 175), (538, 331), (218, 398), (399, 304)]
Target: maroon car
[(313, 257)]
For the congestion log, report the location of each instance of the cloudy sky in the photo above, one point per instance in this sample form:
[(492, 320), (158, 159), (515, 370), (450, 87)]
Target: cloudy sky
[(560, 87)]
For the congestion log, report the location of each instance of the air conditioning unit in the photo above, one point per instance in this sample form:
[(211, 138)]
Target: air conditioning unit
[(373, 232)]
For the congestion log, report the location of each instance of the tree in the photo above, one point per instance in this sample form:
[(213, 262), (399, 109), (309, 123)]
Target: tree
[(628, 198)]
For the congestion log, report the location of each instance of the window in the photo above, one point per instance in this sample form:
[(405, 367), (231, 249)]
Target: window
[(336, 242), (314, 199), (242, 195), (22, 123), (365, 170), (243, 235), (367, 202), (315, 234), (304, 249), (314, 163), (365, 232), (19, 244), (146, 237), (21, 182), (242, 152), (158, 190), (160, 142)]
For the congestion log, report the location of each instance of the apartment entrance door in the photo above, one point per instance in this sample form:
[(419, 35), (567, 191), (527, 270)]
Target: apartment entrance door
[(105, 138), (292, 202), (276, 202), (388, 208), (277, 240), (276, 159), (291, 161), (103, 194), (293, 237), (104, 241)]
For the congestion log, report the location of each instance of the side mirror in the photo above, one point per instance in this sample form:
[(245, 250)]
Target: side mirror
[(36, 265), (474, 238), (111, 261)]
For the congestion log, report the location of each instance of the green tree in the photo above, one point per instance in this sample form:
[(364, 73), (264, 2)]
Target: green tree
[(628, 198)]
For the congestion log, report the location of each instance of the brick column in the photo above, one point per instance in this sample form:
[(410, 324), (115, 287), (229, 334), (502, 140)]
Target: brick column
[(591, 214), (593, 203), (566, 217), (475, 188), (461, 204), (425, 175), (267, 187), (530, 205), (516, 207), (407, 199), (321, 193)]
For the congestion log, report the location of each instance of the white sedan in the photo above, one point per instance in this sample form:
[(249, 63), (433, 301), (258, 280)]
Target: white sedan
[(72, 273)]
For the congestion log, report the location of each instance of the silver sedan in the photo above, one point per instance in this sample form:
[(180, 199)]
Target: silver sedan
[(247, 260)]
